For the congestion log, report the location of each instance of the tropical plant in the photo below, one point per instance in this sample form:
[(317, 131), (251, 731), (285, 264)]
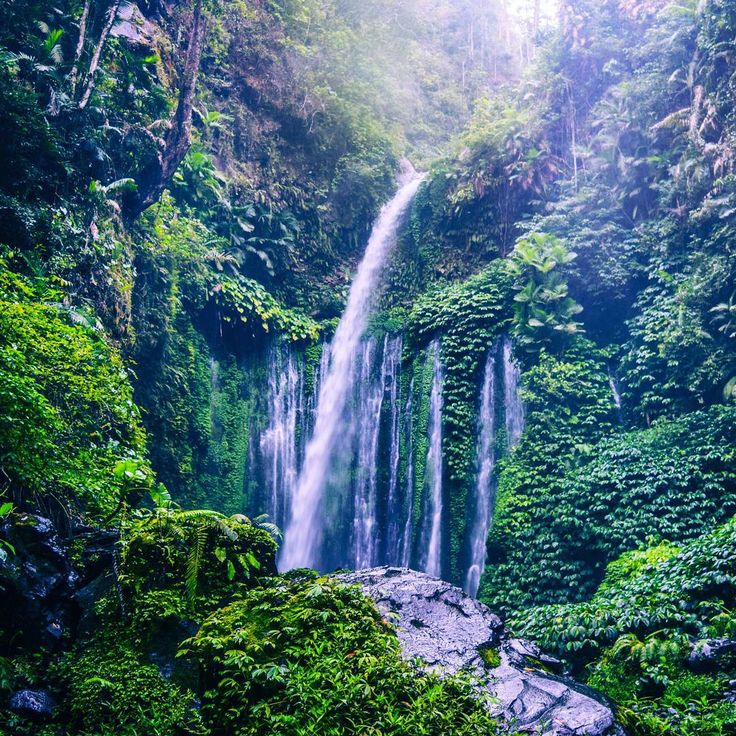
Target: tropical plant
[(6, 548), (543, 311), (316, 655)]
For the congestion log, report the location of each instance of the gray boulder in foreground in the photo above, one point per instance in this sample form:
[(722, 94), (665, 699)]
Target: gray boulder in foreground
[(449, 631)]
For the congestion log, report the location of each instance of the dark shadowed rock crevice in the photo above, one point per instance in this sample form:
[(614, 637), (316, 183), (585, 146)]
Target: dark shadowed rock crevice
[(450, 632)]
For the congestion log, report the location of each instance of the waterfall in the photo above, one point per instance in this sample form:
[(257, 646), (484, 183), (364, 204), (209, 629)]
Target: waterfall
[(483, 501), (409, 497), (392, 349), (304, 531), (278, 443), (615, 391), (514, 408), (370, 403), (433, 565)]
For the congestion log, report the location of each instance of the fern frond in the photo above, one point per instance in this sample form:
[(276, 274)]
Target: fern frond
[(199, 514), (226, 527), (194, 562)]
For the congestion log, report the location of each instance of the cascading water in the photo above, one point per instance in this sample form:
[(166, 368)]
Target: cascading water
[(433, 562), (486, 460), (409, 503), (370, 403), (304, 531), (615, 393), (278, 443), (392, 351), (513, 405)]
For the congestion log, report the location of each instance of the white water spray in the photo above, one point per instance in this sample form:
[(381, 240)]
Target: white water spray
[(370, 403), (393, 503), (483, 499), (304, 530), (406, 539), (434, 469), (278, 442), (512, 401)]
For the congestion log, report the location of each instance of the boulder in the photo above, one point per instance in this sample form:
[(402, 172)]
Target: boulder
[(37, 705), (448, 631), (134, 27), (36, 584), (709, 654)]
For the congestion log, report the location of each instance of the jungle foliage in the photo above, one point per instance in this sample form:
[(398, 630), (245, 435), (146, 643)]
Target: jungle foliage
[(154, 239)]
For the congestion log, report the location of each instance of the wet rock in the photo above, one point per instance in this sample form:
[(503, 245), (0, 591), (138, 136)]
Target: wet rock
[(709, 654), (449, 631), (133, 26), (36, 705), (35, 583), (163, 647)]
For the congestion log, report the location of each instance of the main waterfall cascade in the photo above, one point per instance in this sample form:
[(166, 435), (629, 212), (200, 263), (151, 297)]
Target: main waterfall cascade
[(382, 506), (304, 531), (347, 454)]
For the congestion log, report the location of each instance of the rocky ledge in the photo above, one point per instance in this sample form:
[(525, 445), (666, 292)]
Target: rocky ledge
[(449, 632)]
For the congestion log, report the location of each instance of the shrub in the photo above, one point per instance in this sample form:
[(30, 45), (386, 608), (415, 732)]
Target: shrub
[(316, 657)]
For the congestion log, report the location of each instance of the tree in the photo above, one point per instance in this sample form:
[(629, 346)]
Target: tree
[(157, 174)]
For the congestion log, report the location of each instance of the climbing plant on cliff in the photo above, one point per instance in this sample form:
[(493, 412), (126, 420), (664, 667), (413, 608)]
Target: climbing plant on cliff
[(544, 313), (467, 317)]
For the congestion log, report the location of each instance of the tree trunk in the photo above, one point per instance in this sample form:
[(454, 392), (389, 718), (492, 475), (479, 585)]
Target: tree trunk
[(156, 176), (74, 74), (112, 15)]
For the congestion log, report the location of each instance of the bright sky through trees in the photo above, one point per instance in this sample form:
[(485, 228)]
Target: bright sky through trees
[(524, 9)]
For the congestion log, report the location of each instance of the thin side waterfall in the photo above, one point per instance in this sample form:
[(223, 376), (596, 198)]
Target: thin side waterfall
[(278, 443), (392, 349), (406, 539), (483, 500), (433, 564), (304, 531), (365, 519), (512, 401), (615, 393)]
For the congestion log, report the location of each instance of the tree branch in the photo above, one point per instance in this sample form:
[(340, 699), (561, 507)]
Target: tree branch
[(156, 176), (112, 15), (74, 74)]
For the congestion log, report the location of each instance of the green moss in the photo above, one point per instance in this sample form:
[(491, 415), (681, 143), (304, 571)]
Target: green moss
[(490, 656), (67, 416)]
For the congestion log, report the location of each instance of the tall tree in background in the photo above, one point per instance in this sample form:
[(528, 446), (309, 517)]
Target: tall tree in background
[(156, 175)]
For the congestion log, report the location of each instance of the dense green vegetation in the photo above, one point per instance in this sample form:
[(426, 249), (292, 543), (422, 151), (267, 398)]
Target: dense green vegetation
[(316, 652), (635, 634), (185, 182)]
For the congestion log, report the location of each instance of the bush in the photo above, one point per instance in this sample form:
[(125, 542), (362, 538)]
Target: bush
[(316, 657), (634, 637), (673, 481), (200, 558), (111, 692), (67, 417)]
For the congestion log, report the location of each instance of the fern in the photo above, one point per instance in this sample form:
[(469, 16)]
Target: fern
[(194, 562)]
